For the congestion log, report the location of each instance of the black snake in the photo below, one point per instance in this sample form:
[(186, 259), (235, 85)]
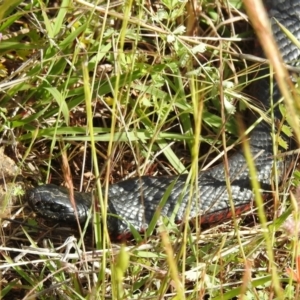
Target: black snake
[(133, 202)]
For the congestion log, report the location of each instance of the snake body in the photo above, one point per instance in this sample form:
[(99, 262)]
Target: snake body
[(134, 202)]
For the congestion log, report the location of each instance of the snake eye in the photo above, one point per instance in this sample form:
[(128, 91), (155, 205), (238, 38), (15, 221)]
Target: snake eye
[(54, 207)]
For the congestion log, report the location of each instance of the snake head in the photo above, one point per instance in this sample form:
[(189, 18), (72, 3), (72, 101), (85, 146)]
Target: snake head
[(53, 202)]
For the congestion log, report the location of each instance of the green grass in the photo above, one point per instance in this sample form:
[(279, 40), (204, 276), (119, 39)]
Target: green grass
[(118, 91)]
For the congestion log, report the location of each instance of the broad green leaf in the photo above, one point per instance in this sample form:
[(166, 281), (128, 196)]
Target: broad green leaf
[(6, 6)]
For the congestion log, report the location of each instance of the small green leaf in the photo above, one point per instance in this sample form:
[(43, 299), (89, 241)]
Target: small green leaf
[(287, 130), (282, 143), (122, 263), (230, 108), (179, 30), (60, 99)]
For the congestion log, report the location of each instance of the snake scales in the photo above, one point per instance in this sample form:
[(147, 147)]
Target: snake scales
[(135, 201)]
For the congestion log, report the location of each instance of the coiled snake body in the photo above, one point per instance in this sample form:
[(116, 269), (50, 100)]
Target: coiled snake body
[(135, 201)]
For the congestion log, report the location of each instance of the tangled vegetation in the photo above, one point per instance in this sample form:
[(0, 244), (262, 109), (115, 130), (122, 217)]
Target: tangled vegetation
[(95, 92)]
